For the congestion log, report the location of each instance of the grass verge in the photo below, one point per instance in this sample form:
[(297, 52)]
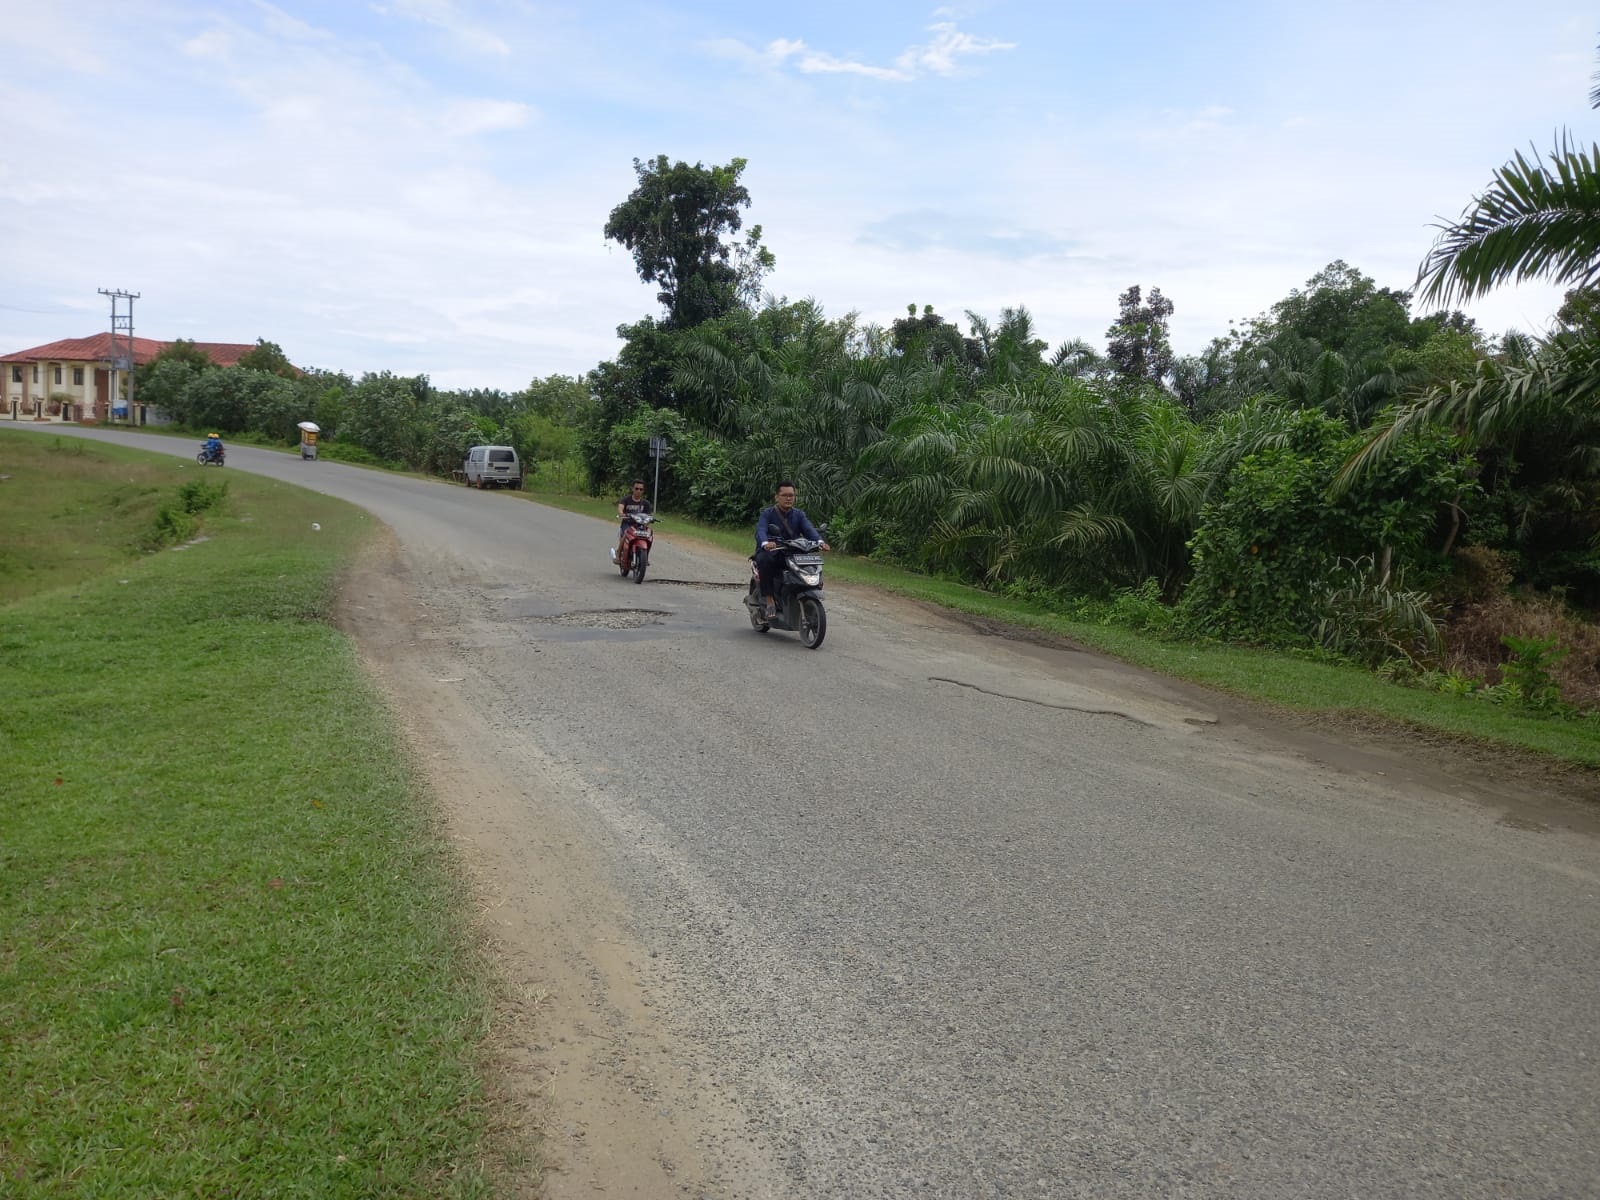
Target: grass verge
[(1285, 681), (234, 959)]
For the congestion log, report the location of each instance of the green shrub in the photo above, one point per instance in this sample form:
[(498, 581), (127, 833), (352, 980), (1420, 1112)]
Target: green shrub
[(1266, 553), (173, 523), (351, 453), (202, 495), (1369, 619), (1530, 667), (1140, 608), (178, 519)]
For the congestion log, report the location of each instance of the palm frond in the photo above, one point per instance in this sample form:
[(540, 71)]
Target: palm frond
[(1536, 220), (1556, 390)]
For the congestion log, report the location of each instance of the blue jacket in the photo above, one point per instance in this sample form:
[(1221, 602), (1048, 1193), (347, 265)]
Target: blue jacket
[(770, 529)]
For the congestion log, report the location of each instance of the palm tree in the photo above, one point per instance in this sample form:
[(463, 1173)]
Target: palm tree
[(1535, 220), (1532, 222)]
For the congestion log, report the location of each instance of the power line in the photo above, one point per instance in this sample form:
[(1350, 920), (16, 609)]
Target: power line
[(47, 312)]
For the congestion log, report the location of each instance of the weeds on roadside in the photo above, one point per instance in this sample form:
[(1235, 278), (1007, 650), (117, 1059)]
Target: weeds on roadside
[(1526, 681), (178, 520), (1530, 667)]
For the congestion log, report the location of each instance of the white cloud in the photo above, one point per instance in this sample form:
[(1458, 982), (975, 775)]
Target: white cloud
[(282, 24), (814, 62), (466, 117), (949, 43), (938, 56), (214, 43), (1201, 120), (48, 33), (445, 15)]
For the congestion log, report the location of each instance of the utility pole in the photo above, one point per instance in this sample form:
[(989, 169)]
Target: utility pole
[(121, 358)]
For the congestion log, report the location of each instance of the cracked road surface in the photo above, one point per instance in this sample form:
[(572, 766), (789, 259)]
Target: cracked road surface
[(933, 913)]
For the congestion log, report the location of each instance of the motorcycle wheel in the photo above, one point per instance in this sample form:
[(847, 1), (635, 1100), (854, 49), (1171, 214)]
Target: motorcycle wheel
[(813, 622), (641, 560), (201, 458)]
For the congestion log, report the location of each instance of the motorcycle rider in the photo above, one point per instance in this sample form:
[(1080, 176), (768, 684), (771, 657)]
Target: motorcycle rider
[(780, 522), (213, 446), (633, 502)]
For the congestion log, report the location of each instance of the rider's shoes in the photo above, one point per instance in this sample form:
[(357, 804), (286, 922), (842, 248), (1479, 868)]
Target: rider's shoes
[(771, 610), (613, 554)]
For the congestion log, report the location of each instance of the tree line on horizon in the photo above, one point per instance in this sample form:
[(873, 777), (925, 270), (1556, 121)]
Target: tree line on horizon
[(1349, 471)]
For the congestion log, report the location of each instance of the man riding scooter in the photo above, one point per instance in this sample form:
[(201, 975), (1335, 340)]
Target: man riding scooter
[(633, 502), (781, 522)]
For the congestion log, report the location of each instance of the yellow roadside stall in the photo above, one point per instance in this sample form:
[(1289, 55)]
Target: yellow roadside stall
[(308, 439)]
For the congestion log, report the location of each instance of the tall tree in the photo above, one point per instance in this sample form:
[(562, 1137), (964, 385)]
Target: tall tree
[(677, 224), (1137, 345), (269, 357)]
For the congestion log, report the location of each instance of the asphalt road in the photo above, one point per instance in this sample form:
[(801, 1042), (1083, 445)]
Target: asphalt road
[(960, 916)]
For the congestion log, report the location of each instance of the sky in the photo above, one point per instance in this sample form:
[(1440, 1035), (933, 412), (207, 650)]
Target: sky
[(421, 186)]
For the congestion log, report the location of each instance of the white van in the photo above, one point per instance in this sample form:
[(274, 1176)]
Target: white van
[(492, 466)]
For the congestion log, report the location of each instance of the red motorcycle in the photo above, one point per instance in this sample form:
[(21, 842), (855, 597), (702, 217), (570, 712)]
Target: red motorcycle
[(636, 542)]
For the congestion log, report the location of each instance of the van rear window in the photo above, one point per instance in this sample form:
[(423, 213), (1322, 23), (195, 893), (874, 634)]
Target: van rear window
[(502, 456)]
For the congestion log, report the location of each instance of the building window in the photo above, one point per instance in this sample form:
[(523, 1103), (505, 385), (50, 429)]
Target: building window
[(16, 374), (36, 372), (77, 376), (58, 374)]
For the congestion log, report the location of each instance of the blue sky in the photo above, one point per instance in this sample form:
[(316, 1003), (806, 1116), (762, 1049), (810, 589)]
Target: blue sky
[(420, 185)]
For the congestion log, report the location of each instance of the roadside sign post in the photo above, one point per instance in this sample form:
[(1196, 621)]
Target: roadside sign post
[(658, 451)]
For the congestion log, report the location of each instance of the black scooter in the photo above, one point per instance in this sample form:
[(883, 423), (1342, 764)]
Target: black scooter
[(799, 593)]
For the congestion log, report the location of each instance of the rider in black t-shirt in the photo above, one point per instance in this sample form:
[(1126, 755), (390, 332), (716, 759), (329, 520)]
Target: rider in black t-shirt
[(633, 502)]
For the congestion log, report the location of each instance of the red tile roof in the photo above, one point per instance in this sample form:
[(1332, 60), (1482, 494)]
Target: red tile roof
[(98, 349)]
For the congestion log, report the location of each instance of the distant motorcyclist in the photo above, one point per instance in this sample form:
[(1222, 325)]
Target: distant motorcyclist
[(779, 523), (633, 502), (213, 446)]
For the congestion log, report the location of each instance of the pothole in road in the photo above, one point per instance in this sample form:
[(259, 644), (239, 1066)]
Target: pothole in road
[(606, 618)]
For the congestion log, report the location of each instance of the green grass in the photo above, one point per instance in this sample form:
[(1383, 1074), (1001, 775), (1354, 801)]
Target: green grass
[(234, 959), (70, 511), (1282, 680)]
